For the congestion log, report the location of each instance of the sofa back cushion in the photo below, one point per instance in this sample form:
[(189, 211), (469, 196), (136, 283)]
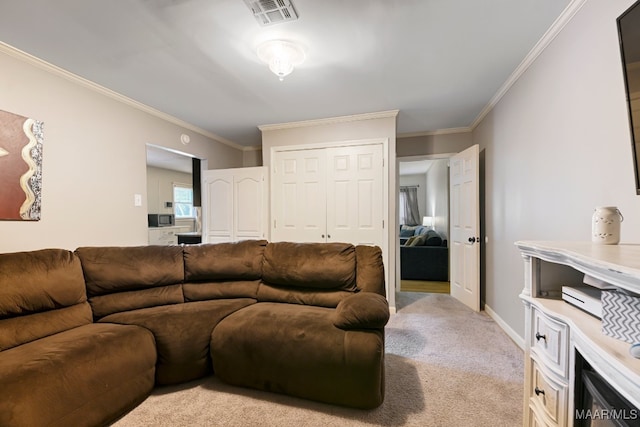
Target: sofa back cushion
[(223, 270), (41, 293), (310, 265), (428, 238), (224, 261), (127, 278)]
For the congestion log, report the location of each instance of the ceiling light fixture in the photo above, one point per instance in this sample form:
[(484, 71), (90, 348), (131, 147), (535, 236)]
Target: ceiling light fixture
[(281, 56)]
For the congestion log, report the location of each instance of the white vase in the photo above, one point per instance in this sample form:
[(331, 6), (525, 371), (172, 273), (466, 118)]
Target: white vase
[(605, 227)]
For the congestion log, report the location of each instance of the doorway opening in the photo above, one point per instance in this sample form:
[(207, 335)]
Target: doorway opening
[(423, 206), (174, 188)]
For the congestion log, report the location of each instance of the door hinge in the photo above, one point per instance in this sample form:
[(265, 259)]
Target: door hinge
[(383, 223), (274, 223)]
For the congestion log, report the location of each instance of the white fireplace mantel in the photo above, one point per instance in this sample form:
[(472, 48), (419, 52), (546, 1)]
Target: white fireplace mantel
[(556, 330)]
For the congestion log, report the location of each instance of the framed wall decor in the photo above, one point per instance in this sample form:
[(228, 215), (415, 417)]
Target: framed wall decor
[(21, 141)]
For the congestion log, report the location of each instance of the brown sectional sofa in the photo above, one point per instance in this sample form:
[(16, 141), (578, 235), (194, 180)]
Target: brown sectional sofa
[(85, 335)]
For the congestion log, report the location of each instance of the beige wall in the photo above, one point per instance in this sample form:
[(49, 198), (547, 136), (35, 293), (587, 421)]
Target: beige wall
[(328, 131), (556, 146), (94, 158), (444, 143), (252, 157), (160, 188)]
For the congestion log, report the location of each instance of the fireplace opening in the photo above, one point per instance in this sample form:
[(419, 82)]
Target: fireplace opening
[(597, 403)]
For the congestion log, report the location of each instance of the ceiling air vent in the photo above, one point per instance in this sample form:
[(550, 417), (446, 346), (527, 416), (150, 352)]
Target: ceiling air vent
[(270, 12)]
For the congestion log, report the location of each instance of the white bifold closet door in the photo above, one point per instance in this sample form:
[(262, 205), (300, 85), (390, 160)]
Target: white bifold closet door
[(329, 195), (236, 204)]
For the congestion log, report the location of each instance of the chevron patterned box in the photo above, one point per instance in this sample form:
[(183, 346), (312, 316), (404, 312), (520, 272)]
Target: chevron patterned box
[(621, 316)]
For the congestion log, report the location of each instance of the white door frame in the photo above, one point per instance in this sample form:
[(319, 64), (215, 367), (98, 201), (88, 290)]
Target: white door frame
[(385, 185)]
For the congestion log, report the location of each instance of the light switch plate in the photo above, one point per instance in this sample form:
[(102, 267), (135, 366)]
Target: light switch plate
[(137, 200)]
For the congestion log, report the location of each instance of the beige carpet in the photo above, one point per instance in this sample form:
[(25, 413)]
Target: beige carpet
[(445, 366)]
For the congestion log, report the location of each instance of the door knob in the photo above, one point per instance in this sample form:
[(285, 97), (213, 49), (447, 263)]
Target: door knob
[(472, 239)]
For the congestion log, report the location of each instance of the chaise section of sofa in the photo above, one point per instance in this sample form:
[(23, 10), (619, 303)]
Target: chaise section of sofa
[(57, 368), (314, 333)]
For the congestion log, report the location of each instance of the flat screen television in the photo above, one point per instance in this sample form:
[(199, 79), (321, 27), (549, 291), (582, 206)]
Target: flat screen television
[(629, 36)]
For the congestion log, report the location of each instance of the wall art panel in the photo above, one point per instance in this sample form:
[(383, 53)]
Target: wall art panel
[(21, 141)]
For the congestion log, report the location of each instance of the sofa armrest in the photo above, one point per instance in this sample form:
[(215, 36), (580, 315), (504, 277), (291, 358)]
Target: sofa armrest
[(364, 310)]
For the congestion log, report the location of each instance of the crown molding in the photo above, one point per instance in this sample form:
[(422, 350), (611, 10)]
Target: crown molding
[(448, 131), (53, 69), (565, 17), (330, 120)]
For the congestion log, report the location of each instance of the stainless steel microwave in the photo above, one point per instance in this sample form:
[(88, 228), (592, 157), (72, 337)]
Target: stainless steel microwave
[(162, 220)]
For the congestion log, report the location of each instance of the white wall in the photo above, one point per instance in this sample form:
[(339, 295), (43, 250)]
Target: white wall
[(556, 146), (437, 196), (94, 157)]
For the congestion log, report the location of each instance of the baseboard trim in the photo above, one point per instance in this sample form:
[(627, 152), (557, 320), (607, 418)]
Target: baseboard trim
[(505, 327)]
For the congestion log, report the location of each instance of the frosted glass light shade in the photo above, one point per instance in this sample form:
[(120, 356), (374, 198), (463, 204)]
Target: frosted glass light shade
[(427, 221), (281, 56)]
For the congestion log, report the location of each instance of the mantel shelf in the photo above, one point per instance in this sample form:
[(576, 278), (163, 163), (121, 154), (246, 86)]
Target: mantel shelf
[(618, 265)]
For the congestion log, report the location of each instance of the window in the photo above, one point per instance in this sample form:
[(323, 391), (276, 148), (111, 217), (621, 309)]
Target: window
[(408, 205), (183, 201)]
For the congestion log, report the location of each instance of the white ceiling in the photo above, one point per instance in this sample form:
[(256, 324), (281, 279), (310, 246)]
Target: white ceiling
[(160, 157), (418, 167), (439, 62)]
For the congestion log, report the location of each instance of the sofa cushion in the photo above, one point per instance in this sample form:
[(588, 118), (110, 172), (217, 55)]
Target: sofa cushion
[(412, 241), (432, 238), (224, 261), (86, 376), (428, 238), (364, 310), (407, 230), (104, 305), (117, 269), (41, 293), (297, 350), (127, 278), (23, 329), (310, 265), (31, 282), (307, 296), (201, 291), (182, 333)]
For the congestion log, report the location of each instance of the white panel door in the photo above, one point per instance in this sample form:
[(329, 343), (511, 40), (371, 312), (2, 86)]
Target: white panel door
[(236, 204), (218, 224), (465, 227), (250, 205), (299, 204), (355, 194)]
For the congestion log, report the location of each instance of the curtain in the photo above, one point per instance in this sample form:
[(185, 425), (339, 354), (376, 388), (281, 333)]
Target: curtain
[(409, 214)]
